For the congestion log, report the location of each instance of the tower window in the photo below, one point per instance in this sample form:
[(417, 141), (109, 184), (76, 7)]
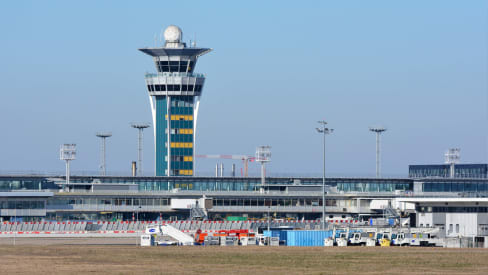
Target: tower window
[(174, 87)]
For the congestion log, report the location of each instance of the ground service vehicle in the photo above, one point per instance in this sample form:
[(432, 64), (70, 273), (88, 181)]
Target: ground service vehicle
[(361, 238)]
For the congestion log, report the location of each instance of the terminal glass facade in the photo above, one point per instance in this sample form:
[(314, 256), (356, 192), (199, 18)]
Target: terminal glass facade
[(202, 184), (443, 171), (468, 186), (373, 185), (26, 183)]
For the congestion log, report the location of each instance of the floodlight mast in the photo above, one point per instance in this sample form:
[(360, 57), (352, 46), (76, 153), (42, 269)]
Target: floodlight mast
[(263, 155), (67, 152), (325, 131), (452, 157), (140, 127), (378, 131), (103, 136)]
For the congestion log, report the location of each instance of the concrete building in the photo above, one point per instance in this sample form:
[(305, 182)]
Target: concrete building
[(122, 198), (453, 216)]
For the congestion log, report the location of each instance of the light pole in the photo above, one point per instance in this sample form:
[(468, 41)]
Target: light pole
[(15, 220), (378, 131), (452, 157), (67, 152), (263, 155), (325, 131), (140, 127), (103, 136), (269, 220)]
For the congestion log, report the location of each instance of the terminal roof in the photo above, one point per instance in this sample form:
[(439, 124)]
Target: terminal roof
[(26, 194)]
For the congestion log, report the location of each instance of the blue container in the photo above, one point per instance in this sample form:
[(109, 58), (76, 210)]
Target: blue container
[(307, 237), (272, 233), (284, 237), (391, 222)]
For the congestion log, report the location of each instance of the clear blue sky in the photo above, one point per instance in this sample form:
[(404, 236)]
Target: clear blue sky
[(419, 68)]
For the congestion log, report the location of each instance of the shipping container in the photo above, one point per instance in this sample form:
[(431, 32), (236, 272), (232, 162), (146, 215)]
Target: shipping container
[(306, 237)]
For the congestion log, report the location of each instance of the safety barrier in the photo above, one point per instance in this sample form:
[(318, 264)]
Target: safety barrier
[(128, 226)]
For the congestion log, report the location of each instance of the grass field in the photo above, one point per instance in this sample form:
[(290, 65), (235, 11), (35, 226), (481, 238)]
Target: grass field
[(119, 259)]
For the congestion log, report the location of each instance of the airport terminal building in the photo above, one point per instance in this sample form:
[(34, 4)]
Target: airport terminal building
[(431, 195), (151, 198)]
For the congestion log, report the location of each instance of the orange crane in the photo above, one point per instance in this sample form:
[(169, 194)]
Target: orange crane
[(245, 160)]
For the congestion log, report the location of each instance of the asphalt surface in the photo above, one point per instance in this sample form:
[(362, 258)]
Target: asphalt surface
[(70, 241)]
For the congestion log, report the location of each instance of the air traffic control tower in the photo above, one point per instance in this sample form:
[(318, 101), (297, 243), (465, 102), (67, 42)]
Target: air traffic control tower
[(174, 93)]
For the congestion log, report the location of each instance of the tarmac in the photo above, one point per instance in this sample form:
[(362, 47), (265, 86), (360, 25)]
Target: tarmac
[(70, 241)]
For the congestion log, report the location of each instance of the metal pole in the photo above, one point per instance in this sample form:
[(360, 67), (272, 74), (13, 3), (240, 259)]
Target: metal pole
[(67, 174), (15, 220), (358, 204), (139, 155), (103, 157), (137, 219), (378, 155), (269, 240), (323, 130), (323, 190), (263, 174), (378, 131)]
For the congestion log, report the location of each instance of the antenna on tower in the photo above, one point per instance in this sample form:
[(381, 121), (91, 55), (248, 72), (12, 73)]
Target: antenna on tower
[(194, 45), (452, 157), (103, 136)]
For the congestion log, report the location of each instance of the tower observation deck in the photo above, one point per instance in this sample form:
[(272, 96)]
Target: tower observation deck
[(174, 94)]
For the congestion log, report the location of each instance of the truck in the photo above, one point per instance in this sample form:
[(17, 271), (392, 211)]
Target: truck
[(362, 238), (342, 239), (417, 238), (409, 239), (383, 238)]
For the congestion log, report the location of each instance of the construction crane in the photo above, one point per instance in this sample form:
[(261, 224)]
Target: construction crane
[(245, 159)]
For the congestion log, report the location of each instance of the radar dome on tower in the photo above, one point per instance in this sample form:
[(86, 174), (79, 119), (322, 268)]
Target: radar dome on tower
[(173, 34)]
